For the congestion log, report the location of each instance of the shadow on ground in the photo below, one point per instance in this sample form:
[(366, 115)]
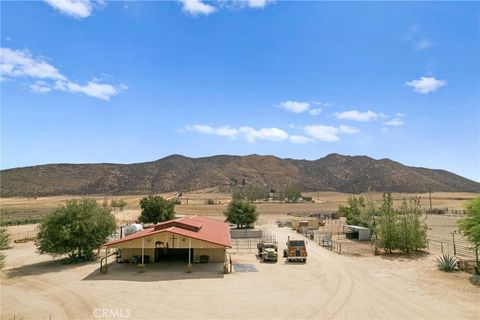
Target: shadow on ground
[(44, 267), (164, 271), (405, 257)]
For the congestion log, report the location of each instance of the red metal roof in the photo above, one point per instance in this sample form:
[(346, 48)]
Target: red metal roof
[(195, 227)]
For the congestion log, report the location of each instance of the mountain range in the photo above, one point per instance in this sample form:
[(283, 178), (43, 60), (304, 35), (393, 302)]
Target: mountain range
[(222, 173)]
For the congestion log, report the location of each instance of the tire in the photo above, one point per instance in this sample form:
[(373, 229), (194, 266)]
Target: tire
[(304, 260)]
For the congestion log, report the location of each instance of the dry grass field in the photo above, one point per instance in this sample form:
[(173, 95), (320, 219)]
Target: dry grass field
[(194, 203)]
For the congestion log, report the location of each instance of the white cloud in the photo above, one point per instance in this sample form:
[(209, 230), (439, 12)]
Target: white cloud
[(271, 134), (323, 133), (347, 129), (40, 87), (315, 112), (259, 3), (357, 115), (297, 139), (426, 85), (201, 128), (21, 64), (399, 114), (197, 7), (423, 44), (295, 106), (73, 8), (322, 104), (250, 134), (94, 89), (395, 122)]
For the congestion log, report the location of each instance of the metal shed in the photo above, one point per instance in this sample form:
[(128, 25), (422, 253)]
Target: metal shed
[(358, 233)]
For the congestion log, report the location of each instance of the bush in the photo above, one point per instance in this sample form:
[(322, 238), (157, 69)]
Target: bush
[(120, 203), (76, 229), (22, 221), (475, 279), (4, 244), (209, 201), (447, 263)]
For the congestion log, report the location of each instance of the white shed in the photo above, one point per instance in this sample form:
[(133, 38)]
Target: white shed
[(359, 233)]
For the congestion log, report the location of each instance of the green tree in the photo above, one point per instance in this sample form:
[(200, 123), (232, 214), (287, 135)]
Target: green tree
[(76, 229), (418, 227), (255, 192), (292, 193), (241, 213), (4, 245), (386, 225), (238, 193), (156, 209), (469, 225), (354, 212)]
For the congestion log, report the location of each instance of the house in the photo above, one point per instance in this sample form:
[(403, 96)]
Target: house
[(182, 239)]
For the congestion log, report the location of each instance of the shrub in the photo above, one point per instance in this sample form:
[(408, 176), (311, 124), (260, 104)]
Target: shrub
[(475, 279), (209, 201), (447, 263), (4, 244)]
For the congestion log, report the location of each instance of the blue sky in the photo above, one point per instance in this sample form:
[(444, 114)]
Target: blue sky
[(93, 81)]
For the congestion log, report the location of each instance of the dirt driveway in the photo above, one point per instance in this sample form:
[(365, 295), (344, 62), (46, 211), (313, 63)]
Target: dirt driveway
[(328, 286)]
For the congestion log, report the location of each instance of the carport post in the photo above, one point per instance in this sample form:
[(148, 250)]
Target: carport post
[(143, 249), (189, 250)]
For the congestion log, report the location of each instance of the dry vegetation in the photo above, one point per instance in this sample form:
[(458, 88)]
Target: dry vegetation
[(20, 207)]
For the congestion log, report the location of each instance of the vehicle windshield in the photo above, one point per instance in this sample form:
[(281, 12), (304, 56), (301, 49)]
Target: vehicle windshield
[(296, 243)]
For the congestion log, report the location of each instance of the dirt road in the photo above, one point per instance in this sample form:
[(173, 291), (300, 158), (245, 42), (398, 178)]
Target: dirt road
[(328, 286)]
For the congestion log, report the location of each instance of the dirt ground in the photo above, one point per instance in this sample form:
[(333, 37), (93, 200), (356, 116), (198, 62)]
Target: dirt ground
[(328, 286)]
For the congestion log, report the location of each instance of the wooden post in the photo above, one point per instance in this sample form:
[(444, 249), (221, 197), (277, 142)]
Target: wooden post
[(441, 245), (454, 247), (189, 251), (143, 250)]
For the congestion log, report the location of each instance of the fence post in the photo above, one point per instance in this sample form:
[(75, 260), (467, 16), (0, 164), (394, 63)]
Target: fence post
[(340, 251), (441, 245)]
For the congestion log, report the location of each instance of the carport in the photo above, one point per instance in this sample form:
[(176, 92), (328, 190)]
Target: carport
[(187, 239)]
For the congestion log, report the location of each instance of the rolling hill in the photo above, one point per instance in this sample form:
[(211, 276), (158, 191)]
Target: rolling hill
[(335, 172)]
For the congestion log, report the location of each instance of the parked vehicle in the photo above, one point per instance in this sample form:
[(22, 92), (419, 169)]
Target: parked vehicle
[(295, 251), (268, 251)]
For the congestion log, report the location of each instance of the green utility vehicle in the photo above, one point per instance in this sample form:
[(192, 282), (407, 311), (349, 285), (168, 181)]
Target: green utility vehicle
[(268, 251)]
